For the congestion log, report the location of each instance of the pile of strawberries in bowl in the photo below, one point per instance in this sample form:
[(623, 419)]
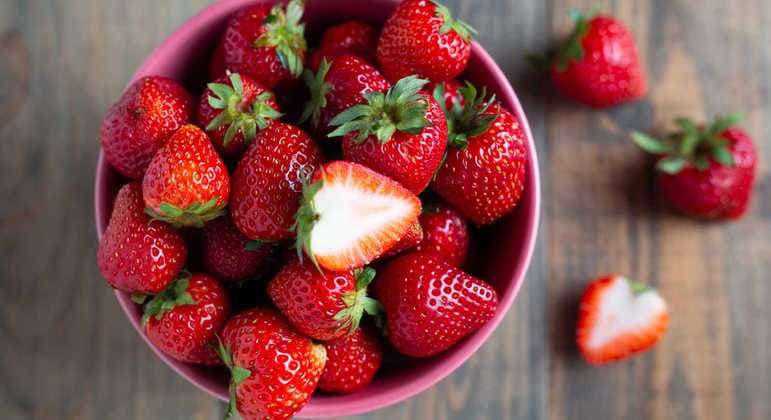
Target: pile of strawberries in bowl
[(303, 218)]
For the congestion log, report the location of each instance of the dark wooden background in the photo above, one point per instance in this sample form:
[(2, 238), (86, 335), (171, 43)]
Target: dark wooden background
[(66, 351)]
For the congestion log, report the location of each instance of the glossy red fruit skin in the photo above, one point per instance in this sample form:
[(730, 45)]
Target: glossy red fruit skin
[(268, 181), (349, 78), (310, 300), (238, 54), (187, 332), (284, 372), (719, 192), (452, 95), (409, 159), (225, 254), (135, 254), (609, 73), (348, 38), (352, 361), (141, 121), (445, 233), (410, 43), (206, 114), (430, 305), (186, 170), (485, 180)]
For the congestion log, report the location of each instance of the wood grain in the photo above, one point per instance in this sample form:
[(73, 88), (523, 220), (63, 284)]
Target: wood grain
[(66, 351)]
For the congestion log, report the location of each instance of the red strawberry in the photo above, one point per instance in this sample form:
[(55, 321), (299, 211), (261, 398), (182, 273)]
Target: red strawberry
[(447, 93), (401, 133), (352, 361), (706, 172), (186, 184), (352, 215), (229, 255), (337, 86), (483, 175), (144, 117), (598, 65), (137, 254), (268, 181), (233, 109), (410, 240), (321, 305), (422, 38), (274, 369), (264, 42), (183, 319), (619, 318), (430, 305), (445, 232), (349, 38)]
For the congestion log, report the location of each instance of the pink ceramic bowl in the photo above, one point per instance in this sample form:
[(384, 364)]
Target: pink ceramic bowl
[(183, 56)]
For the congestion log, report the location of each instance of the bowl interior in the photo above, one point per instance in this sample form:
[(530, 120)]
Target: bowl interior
[(183, 56)]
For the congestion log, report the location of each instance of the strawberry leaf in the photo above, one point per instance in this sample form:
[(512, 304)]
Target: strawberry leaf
[(650, 144), (463, 29), (176, 294), (671, 165)]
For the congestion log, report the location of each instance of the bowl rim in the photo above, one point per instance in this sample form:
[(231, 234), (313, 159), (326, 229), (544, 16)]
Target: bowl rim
[(441, 370)]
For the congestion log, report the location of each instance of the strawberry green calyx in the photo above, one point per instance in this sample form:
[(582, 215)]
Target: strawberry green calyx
[(470, 120), (358, 302), (319, 89), (401, 108), (237, 115), (196, 214), (287, 35), (693, 144), (305, 219), (449, 24), (237, 375), (174, 295), (572, 49)]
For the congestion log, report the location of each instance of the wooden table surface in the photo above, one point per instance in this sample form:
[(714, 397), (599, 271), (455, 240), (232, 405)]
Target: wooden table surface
[(67, 352)]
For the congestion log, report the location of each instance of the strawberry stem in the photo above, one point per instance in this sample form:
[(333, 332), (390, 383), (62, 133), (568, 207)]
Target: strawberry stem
[(286, 34), (693, 144), (401, 108), (319, 89), (174, 295)]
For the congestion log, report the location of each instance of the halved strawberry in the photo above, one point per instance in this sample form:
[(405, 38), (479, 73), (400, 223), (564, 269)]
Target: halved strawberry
[(352, 215), (619, 318)]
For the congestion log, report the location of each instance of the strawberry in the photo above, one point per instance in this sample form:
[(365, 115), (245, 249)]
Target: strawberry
[(430, 305), (598, 65), (483, 175), (352, 361), (422, 38), (348, 38), (410, 240), (619, 318), (233, 109), (352, 215), (446, 233), (447, 93), (266, 43), (136, 253), (401, 133), (144, 117), (186, 183), (183, 319), (323, 306), (231, 256), (267, 183), (274, 369), (337, 86), (706, 172)]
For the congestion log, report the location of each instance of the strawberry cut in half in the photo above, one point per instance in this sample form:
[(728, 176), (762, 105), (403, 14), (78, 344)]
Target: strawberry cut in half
[(352, 215), (619, 318)]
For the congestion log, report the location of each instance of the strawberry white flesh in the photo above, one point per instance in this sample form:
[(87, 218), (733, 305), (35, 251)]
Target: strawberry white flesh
[(359, 215), (619, 318)]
